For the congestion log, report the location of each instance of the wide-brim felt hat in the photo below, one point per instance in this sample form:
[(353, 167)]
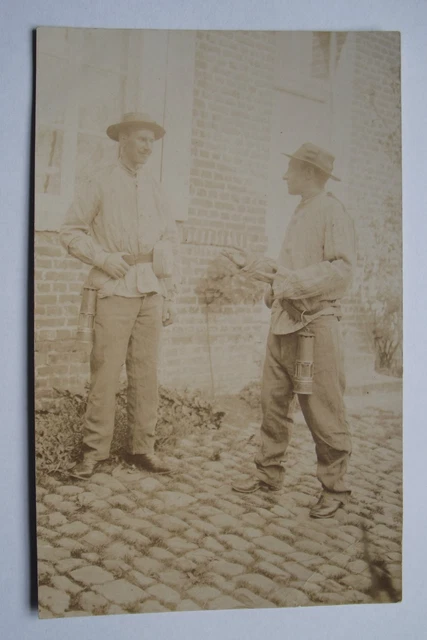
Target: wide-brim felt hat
[(138, 120), (318, 157)]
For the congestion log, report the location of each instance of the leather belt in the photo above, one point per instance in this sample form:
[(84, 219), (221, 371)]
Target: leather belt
[(298, 316), (140, 258)]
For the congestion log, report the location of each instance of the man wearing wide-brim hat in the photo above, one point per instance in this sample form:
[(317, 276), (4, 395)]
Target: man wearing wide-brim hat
[(121, 225), (304, 351)]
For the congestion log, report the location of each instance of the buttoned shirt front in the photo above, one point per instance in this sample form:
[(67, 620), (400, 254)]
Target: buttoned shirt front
[(118, 210), (316, 261)]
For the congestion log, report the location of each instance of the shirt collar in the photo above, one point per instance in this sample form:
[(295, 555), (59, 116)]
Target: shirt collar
[(303, 203), (128, 170)]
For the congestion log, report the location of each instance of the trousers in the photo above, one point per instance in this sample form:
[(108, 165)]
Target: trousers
[(125, 330), (324, 410)]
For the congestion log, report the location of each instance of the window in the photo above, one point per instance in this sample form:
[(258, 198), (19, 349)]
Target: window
[(86, 80), (320, 54), (325, 53)]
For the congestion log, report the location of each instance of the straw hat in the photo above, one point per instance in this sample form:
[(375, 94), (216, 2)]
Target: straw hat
[(316, 156), (140, 120)]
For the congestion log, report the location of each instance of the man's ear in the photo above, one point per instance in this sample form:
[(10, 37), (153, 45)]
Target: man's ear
[(309, 171)]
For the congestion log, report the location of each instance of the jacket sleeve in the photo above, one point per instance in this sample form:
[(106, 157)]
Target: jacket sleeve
[(75, 233), (331, 277)]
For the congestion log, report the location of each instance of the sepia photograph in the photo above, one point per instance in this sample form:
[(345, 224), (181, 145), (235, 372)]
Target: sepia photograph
[(217, 320)]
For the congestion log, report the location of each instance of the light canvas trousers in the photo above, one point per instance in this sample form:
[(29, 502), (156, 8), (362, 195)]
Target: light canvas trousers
[(126, 330), (324, 410)]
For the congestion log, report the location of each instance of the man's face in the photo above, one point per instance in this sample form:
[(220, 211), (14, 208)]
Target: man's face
[(138, 145), (295, 177)]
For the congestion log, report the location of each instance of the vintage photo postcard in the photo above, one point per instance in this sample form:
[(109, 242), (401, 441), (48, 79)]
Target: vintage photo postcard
[(218, 320)]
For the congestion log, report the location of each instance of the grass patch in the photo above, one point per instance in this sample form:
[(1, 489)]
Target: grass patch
[(45, 580), (251, 394), (155, 542), (59, 431), (337, 575), (101, 610), (98, 549), (75, 601), (198, 574), (134, 608)]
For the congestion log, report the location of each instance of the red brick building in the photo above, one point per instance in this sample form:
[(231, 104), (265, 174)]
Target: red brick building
[(231, 102)]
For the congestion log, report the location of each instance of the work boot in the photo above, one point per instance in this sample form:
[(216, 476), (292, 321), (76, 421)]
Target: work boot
[(327, 505), (148, 462), (84, 469), (251, 485)]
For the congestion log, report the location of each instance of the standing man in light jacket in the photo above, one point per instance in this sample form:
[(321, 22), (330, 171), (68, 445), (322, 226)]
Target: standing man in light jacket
[(307, 282), (120, 223)]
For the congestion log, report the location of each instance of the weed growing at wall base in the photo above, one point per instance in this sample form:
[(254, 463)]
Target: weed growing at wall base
[(59, 433)]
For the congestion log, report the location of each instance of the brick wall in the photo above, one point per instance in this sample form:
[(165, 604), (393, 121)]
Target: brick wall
[(58, 282), (375, 167), (222, 348), (228, 187)]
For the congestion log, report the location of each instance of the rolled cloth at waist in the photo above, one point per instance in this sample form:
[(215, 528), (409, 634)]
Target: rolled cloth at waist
[(294, 320), (140, 258)]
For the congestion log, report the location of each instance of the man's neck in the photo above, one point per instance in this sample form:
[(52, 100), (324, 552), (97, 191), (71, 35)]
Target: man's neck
[(310, 192), (129, 166)]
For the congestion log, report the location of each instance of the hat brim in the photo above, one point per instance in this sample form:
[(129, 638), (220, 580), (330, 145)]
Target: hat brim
[(114, 129), (330, 175)]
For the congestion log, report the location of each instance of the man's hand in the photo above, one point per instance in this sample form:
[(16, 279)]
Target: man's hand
[(236, 255), (262, 269), (168, 313), (115, 266)]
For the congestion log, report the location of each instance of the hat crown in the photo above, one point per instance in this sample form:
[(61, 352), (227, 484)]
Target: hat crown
[(322, 158), (136, 119), (315, 155)]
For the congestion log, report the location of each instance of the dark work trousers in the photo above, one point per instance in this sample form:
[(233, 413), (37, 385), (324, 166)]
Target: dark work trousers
[(126, 330), (324, 410)]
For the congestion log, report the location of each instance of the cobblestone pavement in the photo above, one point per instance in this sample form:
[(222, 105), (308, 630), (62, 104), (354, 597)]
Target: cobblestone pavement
[(125, 541)]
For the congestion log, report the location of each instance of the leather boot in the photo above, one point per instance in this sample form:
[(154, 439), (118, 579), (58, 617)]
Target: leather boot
[(84, 469), (327, 505), (148, 462), (251, 485)]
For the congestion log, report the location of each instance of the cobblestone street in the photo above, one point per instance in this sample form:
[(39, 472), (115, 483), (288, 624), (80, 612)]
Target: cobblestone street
[(125, 541)]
